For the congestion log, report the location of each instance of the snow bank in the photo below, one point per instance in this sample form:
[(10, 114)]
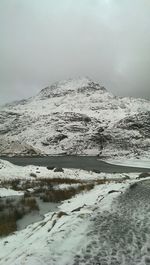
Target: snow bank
[(130, 162), (9, 192)]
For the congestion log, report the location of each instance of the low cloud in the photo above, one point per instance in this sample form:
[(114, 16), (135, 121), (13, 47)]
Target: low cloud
[(50, 40)]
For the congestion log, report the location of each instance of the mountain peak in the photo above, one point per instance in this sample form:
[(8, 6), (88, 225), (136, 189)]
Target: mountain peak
[(64, 87)]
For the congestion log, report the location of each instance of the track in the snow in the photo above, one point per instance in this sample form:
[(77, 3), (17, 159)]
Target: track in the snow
[(121, 236)]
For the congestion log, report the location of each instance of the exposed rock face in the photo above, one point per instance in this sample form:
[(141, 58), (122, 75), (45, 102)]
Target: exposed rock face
[(139, 122), (76, 117), (68, 87), (17, 148)]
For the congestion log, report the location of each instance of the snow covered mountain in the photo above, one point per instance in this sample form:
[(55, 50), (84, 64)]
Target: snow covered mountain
[(76, 117)]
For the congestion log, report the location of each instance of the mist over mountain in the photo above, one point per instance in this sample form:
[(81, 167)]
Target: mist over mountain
[(46, 41)]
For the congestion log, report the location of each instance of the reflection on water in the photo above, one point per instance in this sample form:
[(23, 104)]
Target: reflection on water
[(35, 216), (17, 212)]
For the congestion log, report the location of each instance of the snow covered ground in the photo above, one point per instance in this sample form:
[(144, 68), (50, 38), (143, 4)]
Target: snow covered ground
[(56, 240), (9, 192), (61, 238)]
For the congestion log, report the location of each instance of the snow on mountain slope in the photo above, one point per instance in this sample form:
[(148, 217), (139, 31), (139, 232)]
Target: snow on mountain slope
[(76, 117)]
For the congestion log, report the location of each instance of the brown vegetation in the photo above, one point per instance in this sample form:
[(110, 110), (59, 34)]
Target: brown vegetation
[(30, 203), (65, 194), (47, 189), (7, 225)]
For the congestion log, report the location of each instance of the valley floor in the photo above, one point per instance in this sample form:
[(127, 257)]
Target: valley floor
[(107, 225)]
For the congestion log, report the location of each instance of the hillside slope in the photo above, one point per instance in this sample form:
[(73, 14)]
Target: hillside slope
[(76, 117)]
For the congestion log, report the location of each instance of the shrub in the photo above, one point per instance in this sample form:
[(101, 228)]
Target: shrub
[(33, 175), (15, 184)]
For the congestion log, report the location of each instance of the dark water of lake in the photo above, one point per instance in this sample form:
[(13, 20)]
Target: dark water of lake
[(79, 162)]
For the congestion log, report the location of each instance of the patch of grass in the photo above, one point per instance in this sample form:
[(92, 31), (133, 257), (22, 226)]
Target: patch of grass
[(7, 225), (65, 194), (13, 184), (104, 181), (60, 214), (60, 180), (11, 211), (8, 221)]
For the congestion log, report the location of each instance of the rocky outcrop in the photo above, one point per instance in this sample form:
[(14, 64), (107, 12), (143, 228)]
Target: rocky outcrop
[(17, 148)]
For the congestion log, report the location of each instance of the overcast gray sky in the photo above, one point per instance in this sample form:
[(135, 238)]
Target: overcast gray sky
[(42, 41)]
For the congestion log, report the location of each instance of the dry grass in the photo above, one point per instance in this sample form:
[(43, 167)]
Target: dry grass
[(30, 203), (60, 181), (7, 225), (11, 211), (61, 213), (105, 181), (144, 175), (17, 184), (8, 221), (2, 206), (65, 194), (13, 183)]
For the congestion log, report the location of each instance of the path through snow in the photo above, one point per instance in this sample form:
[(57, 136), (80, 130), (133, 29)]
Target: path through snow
[(120, 236)]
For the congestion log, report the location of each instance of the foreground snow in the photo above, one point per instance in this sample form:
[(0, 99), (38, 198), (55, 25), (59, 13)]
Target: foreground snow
[(56, 240), (59, 237)]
